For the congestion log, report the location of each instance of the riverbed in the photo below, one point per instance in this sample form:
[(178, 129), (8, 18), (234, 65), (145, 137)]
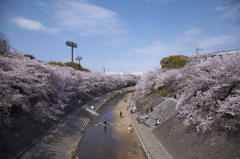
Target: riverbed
[(112, 140)]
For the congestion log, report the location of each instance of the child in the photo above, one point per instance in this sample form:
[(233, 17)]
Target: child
[(129, 129)]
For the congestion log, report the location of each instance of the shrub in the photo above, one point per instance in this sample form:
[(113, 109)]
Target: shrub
[(163, 94)]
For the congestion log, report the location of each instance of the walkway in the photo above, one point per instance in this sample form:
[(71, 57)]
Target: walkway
[(151, 146)]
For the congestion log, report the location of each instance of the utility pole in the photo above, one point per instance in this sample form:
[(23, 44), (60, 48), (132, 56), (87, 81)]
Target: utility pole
[(73, 45), (197, 50), (104, 70)]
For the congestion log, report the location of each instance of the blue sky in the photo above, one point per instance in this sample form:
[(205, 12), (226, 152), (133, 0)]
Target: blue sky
[(120, 35)]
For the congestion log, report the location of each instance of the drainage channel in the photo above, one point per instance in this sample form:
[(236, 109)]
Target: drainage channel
[(102, 141)]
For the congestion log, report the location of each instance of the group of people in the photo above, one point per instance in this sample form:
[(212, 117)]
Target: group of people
[(98, 95), (147, 110), (126, 101), (132, 98), (177, 96), (133, 109)]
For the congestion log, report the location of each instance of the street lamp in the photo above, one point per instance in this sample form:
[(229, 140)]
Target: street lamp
[(78, 58), (73, 45)]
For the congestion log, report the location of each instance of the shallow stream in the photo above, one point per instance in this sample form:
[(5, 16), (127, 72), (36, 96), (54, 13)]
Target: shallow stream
[(102, 141)]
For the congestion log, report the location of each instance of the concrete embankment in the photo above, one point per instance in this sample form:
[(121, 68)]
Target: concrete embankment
[(177, 140), (61, 141)]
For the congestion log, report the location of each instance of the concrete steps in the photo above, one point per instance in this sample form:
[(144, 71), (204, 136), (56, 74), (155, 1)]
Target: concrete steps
[(163, 112), (81, 117), (80, 121), (67, 111)]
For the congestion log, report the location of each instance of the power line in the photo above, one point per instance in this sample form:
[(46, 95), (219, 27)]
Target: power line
[(20, 47), (17, 50), (222, 48)]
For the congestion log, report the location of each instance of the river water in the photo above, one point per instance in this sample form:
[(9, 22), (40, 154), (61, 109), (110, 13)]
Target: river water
[(103, 142)]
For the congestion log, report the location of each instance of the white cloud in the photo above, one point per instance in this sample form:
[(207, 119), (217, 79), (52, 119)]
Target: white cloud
[(184, 44), (232, 12), (222, 8), (214, 41), (41, 3), (137, 73), (156, 48), (33, 25), (118, 41), (151, 55), (87, 19), (161, 1), (193, 31)]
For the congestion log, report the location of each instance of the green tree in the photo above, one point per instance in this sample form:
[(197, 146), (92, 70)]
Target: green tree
[(76, 66), (55, 63), (174, 62), (30, 56), (4, 43)]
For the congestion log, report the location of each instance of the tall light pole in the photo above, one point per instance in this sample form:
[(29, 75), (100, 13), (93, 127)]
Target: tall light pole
[(73, 45), (79, 58)]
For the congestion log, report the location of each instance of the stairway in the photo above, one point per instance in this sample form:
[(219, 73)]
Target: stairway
[(163, 111), (80, 121)]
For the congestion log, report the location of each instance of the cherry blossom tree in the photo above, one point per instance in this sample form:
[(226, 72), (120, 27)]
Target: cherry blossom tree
[(209, 91), (24, 79)]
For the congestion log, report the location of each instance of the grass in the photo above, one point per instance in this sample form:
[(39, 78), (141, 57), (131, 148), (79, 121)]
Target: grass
[(74, 153), (134, 144), (115, 95), (161, 92)]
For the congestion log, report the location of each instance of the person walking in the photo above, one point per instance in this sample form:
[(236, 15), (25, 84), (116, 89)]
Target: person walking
[(120, 114)]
